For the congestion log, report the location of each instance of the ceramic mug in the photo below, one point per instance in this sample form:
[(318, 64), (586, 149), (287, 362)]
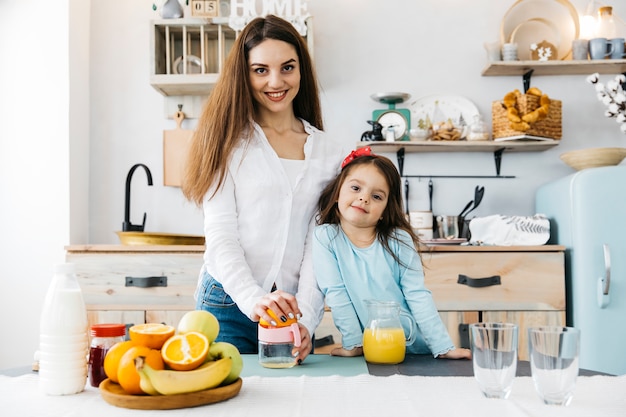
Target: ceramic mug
[(600, 48), (618, 48), (421, 219), (493, 51), (580, 49), (509, 52)]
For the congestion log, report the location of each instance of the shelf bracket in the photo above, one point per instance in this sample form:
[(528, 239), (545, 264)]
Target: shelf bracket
[(400, 156), (526, 79), (497, 158)]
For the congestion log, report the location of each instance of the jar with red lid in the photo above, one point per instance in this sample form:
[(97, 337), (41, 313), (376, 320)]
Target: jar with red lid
[(104, 336)]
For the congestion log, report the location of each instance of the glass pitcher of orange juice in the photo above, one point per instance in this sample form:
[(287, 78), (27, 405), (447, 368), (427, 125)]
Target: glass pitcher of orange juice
[(384, 338)]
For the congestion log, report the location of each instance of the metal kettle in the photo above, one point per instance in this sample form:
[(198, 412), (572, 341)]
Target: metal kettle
[(376, 134)]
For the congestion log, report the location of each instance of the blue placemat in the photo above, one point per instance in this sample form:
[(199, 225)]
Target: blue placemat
[(314, 365)]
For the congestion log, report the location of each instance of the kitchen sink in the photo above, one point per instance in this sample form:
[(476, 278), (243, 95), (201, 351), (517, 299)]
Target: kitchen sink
[(151, 238)]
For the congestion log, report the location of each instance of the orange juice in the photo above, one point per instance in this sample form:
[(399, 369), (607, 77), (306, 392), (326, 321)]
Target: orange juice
[(384, 345)]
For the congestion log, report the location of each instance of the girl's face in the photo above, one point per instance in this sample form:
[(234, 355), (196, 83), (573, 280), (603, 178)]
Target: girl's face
[(274, 74), (363, 196)]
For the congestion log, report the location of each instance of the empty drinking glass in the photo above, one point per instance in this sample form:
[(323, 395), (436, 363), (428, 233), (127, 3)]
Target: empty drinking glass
[(554, 362), (494, 357)]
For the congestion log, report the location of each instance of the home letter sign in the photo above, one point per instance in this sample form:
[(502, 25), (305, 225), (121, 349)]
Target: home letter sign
[(243, 11)]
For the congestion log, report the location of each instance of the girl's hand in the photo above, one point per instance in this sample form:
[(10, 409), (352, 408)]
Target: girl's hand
[(457, 354), (283, 304), (357, 351)]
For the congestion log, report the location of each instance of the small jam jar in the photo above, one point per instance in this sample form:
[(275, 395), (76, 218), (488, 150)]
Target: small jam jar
[(276, 345), (104, 336)]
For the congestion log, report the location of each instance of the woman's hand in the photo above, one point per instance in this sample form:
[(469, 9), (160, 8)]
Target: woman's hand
[(357, 351), (283, 304), (306, 345), (457, 354)]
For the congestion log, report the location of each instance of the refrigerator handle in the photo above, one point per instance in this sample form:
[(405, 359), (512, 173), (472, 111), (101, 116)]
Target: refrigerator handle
[(604, 283)]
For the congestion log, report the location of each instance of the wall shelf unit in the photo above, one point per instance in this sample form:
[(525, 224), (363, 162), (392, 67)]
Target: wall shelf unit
[(607, 66), (187, 55), (498, 148)]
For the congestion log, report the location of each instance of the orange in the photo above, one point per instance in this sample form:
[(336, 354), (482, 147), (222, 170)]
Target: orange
[(184, 352), (279, 323), (152, 335), (113, 356), (126, 371)]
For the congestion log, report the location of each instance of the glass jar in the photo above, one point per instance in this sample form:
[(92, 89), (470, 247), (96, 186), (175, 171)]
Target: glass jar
[(478, 129), (104, 336), (276, 346), (606, 24)]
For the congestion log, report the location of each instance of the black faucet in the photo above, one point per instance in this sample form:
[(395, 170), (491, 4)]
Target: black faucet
[(127, 226)]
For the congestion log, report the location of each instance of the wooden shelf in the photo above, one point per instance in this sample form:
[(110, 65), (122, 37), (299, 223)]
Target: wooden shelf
[(181, 85), (460, 146), (607, 66)]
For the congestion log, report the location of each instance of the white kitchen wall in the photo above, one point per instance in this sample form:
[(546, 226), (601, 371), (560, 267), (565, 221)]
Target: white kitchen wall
[(36, 174), (115, 119), (361, 47)]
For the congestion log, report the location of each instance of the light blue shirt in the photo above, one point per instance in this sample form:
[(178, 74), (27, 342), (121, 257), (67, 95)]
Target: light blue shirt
[(349, 275)]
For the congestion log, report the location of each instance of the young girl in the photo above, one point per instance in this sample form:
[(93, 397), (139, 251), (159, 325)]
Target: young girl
[(364, 248)]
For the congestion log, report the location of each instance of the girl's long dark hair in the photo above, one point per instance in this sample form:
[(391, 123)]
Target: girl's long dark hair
[(393, 216)]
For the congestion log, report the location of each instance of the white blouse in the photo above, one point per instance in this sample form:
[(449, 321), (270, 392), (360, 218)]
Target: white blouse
[(258, 228)]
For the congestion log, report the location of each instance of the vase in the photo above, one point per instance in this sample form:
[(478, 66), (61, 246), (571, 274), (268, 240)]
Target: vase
[(171, 10)]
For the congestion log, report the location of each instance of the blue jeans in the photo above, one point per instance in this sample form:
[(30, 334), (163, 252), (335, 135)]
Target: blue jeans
[(235, 327)]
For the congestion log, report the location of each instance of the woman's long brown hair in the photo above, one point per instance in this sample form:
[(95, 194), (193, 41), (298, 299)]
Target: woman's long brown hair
[(229, 112)]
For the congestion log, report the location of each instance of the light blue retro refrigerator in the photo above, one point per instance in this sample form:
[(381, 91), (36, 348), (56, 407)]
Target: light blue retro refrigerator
[(587, 212)]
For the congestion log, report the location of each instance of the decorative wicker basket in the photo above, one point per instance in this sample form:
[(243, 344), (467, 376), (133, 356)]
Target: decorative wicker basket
[(550, 127)]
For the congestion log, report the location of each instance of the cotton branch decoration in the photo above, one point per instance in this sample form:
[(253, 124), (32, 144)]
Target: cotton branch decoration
[(613, 97)]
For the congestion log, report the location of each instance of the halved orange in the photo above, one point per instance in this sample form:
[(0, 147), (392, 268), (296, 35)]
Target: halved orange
[(152, 335), (184, 352), (279, 323)]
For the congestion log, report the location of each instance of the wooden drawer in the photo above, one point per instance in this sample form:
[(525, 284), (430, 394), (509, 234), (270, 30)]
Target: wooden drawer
[(528, 288), (527, 280), (103, 280)]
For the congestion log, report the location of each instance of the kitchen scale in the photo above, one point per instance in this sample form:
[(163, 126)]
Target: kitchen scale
[(393, 119)]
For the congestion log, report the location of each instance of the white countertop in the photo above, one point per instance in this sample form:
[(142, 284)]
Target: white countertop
[(360, 396)]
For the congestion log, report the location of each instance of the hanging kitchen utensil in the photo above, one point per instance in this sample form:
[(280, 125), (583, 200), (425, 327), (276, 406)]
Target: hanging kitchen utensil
[(430, 202), (467, 206), (175, 148), (430, 194), (406, 194), (479, 192)]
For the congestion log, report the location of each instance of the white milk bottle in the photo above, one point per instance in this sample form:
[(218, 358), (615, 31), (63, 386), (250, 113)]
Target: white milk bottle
[(63, 339)]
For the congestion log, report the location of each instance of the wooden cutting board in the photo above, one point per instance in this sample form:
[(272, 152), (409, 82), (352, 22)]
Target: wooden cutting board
[(175, 147)]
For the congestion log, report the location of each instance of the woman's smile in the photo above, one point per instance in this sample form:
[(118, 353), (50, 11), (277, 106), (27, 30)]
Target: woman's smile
[(276, 96)]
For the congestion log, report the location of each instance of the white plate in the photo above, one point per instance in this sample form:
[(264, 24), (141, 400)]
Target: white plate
[(535, 31), (561, 13), (194, 65), (452, 107)]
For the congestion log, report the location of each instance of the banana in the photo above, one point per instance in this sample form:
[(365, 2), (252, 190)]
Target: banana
[(144, 382), (169, 382)]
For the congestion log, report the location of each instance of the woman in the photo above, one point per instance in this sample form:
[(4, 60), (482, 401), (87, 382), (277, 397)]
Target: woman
[(257, 164)]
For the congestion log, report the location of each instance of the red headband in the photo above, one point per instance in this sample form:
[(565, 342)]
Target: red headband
[(366, 151)]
